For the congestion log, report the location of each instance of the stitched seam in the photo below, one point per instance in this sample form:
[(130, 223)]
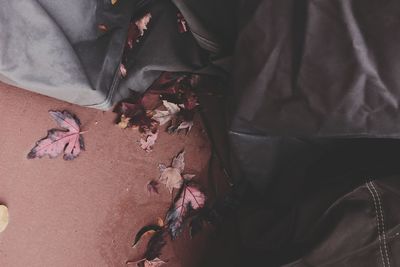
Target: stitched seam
[(383, 223), (378, 223)]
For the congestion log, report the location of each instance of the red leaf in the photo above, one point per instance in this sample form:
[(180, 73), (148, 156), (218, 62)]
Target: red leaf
[(68, 141), (190, 198)]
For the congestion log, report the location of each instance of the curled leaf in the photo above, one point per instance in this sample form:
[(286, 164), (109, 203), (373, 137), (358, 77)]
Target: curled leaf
[(147, 230)]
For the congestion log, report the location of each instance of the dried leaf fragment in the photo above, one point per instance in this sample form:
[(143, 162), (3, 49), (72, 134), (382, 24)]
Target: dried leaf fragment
[(114, 2), (4, 217)]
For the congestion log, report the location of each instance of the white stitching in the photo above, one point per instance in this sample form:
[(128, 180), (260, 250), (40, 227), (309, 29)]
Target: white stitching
[(378, 223), (383, 222)]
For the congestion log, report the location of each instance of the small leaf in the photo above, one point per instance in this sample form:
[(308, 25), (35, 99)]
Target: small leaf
[(152, 187), (146, 231), (114, 2), (4, 217), (67, 141)]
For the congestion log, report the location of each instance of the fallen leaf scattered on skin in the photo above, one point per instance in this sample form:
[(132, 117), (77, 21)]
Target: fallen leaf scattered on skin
[(68, 141), (152, 187), (190, 198), (147, 230), (4, 217), (149, 141)]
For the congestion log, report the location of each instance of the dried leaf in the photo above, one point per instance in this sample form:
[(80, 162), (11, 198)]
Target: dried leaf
[(3, 217), (179, 162), (185, 125), (152, 187), (149, 141), (189, 198), (146, 231), (164, 116), (134, 114), (68, 141), (153, 263), (114, 2), (142, 23), (172, 178)]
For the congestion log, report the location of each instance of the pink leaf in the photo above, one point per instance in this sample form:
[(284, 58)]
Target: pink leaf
[(190, 198), (68, 140)]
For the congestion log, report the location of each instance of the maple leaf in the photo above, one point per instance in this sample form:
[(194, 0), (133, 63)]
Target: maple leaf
[(152, 187), (148, 142), (3, 217), (172, 176), (68, 141), (189, 198), (164, 116)]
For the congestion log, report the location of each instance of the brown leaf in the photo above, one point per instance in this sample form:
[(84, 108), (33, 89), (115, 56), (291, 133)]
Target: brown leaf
[(172, 178), (164, 116), (114, 2), (3, 217), (68, 141)]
